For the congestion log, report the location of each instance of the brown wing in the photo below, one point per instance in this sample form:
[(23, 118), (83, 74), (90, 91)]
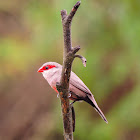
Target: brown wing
[(83, 93), (78, 87)]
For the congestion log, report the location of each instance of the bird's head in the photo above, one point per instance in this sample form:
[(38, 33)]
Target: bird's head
[(49, 66)]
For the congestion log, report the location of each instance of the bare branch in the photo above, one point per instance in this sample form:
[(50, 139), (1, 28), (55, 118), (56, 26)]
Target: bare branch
[(73, 118), (63, 86), (66, 21), (63, 14), (73, 11), (75, 50)]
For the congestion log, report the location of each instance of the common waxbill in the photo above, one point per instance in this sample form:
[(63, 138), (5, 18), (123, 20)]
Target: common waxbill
[(78, 90)]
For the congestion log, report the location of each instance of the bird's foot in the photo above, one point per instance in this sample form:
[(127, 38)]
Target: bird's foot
[(71, 104), (69, 95)]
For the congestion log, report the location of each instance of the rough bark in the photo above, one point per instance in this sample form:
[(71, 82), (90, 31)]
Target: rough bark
[(63, 86)]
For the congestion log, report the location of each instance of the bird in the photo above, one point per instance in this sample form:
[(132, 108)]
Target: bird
[(78, 91)]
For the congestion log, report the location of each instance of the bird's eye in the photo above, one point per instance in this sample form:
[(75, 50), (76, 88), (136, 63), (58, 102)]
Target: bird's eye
[(46, 68)]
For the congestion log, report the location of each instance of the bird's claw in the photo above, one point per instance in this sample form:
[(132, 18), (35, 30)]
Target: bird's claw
[(69, 95), (71, 104)]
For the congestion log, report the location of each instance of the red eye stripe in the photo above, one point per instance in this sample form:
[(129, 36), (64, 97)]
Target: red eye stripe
[(49, 67), (44, 68)]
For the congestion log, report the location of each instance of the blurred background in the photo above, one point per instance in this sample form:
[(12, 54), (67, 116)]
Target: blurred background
[(109, 35)]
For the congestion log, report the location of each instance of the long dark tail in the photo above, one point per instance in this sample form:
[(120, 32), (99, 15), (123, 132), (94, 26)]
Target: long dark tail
[(94, 104)]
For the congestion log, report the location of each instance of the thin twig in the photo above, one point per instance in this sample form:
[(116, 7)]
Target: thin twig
[(73, 118), (83, 59)]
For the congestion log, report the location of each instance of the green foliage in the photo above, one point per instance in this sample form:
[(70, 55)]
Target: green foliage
[(108, 33)]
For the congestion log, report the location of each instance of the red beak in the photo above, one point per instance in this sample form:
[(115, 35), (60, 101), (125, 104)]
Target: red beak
[(40, 70)]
